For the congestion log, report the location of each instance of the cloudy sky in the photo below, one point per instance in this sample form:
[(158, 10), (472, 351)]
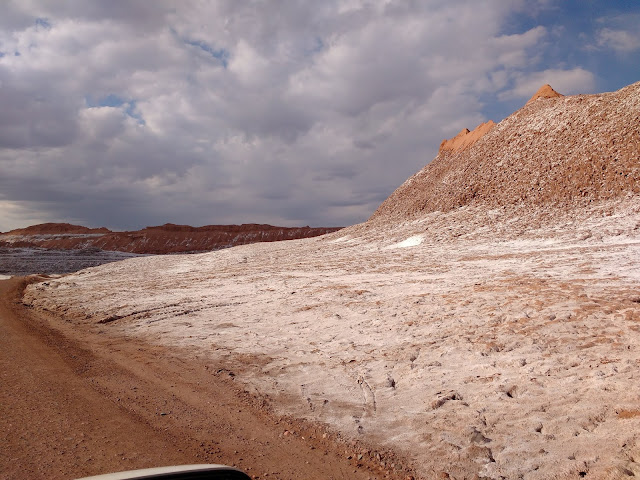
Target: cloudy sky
[(133, 113)]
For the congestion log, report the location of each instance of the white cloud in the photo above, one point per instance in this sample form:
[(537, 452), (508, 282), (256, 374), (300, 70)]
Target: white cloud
[(133, 113), (619, 40)]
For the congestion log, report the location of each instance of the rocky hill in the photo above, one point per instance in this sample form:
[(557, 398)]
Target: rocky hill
[(556, 150), (167, 238)]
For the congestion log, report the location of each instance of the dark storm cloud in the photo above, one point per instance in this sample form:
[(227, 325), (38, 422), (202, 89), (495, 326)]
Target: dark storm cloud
[(132, 113)]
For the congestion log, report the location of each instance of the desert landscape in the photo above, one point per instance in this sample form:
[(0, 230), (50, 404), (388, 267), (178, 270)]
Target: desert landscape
[(483, 323)]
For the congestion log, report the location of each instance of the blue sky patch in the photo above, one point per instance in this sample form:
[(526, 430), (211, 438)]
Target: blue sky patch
[(110, 100), (115, 101), (132, 111), (219, 54), (43, 22)]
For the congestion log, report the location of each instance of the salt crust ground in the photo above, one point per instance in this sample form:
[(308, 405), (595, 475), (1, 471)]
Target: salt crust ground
[(500, 343)]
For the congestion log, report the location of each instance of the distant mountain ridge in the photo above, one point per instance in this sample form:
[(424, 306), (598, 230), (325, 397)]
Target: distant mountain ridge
[(56, 228), (168, 238)]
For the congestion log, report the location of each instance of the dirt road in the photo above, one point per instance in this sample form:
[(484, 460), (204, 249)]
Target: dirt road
[(76, 403)]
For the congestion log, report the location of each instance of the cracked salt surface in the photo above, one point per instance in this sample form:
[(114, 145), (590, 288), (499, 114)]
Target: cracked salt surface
[(503, 349)]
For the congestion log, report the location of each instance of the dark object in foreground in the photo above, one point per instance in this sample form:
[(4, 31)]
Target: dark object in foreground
[(182, 472)]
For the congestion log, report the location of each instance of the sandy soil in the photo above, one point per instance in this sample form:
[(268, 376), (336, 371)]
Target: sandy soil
[(498, 343), (78, 402)]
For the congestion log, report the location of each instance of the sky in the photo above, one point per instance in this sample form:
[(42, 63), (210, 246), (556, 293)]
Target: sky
[(132, 113)]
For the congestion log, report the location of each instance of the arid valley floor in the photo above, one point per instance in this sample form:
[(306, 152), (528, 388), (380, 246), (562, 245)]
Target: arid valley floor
[(490, 343)]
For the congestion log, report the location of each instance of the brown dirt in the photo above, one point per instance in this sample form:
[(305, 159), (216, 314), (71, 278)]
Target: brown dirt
[(78, 402)]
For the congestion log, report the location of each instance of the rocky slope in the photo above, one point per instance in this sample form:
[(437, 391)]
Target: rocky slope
[(556, 150), (163, 239)]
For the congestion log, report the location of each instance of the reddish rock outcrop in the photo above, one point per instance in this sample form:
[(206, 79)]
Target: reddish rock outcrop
[(466, 138), (544, 91), (167, 238)]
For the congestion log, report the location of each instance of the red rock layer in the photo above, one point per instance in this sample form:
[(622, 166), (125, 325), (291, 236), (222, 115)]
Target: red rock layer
[(57, 229), (167, 238)]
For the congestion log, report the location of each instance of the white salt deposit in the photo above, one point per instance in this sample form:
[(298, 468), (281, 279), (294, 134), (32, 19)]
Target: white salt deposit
[(413, 241), (503, 349), (340, 239)]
